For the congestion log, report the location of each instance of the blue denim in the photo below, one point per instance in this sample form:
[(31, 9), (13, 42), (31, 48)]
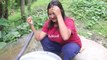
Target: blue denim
[(69, 50)]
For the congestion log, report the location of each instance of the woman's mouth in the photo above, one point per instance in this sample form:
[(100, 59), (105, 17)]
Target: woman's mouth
[(54, 20)]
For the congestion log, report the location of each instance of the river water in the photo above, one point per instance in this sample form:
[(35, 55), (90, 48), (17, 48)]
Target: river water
[(10, 53), (11, 50)]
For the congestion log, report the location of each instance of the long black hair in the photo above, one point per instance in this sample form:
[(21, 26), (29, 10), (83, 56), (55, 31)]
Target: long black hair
[(55, 3)]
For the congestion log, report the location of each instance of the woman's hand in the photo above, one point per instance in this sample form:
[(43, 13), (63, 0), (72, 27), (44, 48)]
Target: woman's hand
[(56, 10), (29, 20)]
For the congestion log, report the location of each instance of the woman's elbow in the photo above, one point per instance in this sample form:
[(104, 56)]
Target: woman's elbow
[(66, 38)]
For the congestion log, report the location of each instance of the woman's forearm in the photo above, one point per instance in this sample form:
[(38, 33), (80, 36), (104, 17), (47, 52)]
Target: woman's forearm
[(32, 28), (35, 32), (65, 33), (39, 35)]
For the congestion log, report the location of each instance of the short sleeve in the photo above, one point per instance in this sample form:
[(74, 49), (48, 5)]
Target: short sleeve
[(70, 23), (45, 26)]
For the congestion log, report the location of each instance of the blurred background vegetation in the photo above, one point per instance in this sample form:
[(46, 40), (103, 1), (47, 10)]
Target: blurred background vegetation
[(90, 17)]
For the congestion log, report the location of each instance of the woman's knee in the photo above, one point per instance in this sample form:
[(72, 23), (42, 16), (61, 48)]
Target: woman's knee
[(70, 50), (44, 40), (50, 46), (45, 43)]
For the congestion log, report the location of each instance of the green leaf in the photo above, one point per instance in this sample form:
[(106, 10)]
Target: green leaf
[(3, 22)]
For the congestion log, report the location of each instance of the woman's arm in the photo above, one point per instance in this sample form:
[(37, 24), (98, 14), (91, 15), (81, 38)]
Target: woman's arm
[(64, 31), (39, 35)]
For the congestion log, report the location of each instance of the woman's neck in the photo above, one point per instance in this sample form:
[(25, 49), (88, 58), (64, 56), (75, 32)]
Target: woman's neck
[(56, 24)]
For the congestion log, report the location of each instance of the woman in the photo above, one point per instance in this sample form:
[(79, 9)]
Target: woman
[(58, 34)]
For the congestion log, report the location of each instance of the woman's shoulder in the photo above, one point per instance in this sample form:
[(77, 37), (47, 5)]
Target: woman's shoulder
[(68, 19)]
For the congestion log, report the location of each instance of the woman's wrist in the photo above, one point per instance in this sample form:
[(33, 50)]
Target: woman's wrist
[(32, 27), (59, 17), (31, 24)]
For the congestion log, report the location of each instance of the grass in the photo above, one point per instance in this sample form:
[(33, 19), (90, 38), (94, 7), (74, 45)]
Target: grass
[(101, 28), (40, 3), (15, 19), (92, 13), (16, 16)]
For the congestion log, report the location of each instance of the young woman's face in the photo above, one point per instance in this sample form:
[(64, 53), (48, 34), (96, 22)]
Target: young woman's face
[(52, 16)]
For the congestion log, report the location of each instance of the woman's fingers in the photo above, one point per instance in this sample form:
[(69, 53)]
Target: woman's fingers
[(29, 20), (56, 10)]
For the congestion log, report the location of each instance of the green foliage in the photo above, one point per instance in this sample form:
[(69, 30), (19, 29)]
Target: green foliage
[(11, 36), (10, 32), (85, 34), (15, 16), (15, 27), (2, 44), (15, 19), (92, 14), (101, 28), (88, 10), (23, 28), (3, 22), (38, 13), (39, 17), (40, 3), (13, 33)]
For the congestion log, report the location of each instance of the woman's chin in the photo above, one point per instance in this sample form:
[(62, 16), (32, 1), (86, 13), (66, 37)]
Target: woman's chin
[(54, 20)]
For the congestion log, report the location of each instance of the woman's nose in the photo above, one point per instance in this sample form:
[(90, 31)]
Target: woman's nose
[(52, 16)]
